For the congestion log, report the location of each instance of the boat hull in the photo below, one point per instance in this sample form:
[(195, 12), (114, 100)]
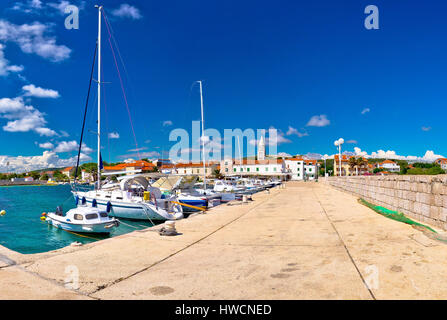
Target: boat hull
[(129, 210), (102, 228)]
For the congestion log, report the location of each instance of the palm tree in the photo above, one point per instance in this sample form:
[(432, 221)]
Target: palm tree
[(352, 163), (360, 163)]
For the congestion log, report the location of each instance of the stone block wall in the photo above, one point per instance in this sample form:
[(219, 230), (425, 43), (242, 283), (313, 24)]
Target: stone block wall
[(422, 198)]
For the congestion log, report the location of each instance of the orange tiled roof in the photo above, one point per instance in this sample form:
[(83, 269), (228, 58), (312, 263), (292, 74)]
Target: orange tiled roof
[(194, 165), (67, 169), (140, 164), (388, 161)]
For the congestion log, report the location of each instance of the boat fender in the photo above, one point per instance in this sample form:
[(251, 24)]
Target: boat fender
[(77, 200), (83, 200), (2, 213), (94, 204), (109, 207), (44, 214), (43, 218)]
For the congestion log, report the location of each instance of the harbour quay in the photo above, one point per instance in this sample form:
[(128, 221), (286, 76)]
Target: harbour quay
[(302, 240)]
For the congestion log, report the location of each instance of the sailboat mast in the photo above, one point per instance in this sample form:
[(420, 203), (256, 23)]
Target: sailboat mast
[(240, 154), (99, 96), (203, 141)]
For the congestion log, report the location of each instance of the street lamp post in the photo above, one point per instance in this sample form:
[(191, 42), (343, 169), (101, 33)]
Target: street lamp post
[(338, 144)]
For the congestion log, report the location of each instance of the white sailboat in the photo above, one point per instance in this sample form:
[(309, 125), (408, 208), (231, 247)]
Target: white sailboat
[(124, 200)]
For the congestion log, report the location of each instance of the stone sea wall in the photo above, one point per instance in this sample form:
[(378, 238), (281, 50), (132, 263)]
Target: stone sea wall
[(423, 198)]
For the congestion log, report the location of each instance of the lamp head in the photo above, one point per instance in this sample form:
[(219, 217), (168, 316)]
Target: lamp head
[(341, 141), (336, 143)]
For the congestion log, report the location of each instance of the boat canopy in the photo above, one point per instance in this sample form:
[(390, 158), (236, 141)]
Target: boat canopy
[(168, 183), (124, 184)]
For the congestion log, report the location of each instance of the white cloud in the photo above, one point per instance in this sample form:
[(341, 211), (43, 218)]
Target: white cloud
[(167, 123), (32, 91), (283, 155), (59, 6), (46, 145), (426, 128), (64, 133), (318, 121), (114, 135), (127, 11), (274, 140), (5, 67), (68, 146), (23, 118), (366, 110), (429, 155), (352, 141), (149, 154), (33, 38), (294, 131), (45, 132), (48, 159), (137, 149)]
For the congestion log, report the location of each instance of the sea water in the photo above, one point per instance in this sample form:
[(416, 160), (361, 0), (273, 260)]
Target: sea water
[(22, 230)]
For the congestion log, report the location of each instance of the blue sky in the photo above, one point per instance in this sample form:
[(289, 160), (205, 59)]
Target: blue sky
[(264, 64)]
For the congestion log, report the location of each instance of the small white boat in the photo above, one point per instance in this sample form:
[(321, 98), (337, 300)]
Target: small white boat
[(83, 219)]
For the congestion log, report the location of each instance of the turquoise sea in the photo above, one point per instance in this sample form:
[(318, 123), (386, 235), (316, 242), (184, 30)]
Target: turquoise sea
[(22, 230)]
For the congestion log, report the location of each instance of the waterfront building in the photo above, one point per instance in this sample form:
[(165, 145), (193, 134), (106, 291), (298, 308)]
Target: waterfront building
[(250, 167), (301, 169), (347, 169), (389, 165), (196, 168), (69, 171), (162, 162), (442, 163)]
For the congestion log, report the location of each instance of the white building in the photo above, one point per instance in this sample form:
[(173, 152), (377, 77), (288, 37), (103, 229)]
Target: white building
[(299, 168), (275, 167), (389, 165)]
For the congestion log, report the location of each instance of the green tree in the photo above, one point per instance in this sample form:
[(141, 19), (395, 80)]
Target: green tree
[(216, 174), (44, 177)]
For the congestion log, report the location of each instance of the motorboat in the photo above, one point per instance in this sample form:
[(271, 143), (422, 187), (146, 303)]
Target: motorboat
[(83, 219)]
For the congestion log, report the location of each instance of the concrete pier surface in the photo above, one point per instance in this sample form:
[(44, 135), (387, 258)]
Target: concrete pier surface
[(306, 241)]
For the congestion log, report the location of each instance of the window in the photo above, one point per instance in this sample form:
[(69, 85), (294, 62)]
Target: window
[(257, 169), (248, 169), (226, 169), (274, 169), (91, 216), (234, 169), (266, 169), (103, 214), (78, 217), (242, 169), (198, 170), (226, 162)]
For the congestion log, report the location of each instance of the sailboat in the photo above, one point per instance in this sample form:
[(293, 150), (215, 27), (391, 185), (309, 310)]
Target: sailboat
[(200, 197), (133, 197)]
